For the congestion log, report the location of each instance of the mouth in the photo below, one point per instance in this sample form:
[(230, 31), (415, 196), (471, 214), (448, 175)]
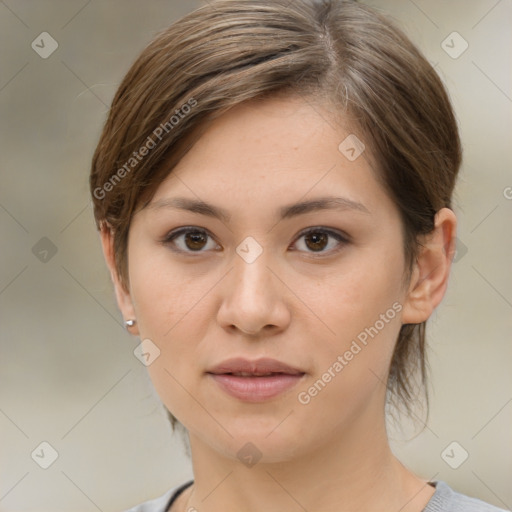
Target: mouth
[(254, 374), (255, 381)]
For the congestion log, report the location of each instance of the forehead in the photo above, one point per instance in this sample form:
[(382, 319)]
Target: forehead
[(272, 152)]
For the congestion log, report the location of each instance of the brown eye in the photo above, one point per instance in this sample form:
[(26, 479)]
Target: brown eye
[(316, 241), (321, 241), (189, 240), (195, 240)]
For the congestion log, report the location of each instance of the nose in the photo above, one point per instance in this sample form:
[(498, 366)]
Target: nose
[(254, 298)]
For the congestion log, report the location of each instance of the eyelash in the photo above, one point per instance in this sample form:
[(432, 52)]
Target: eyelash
[(342, 239)]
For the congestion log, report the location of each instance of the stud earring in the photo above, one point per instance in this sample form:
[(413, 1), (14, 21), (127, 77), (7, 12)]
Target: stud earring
[(129, 323)]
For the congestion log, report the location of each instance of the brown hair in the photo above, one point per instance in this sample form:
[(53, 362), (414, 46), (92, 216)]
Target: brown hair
[(231, 51)]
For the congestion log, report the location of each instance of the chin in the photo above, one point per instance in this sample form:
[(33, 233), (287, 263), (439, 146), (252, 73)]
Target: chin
[(266, 439)]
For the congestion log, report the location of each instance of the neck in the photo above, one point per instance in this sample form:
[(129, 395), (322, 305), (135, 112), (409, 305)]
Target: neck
[(352, 469)]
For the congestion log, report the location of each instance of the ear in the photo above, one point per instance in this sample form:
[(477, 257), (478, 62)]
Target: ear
[(430, 274), (124, 300)]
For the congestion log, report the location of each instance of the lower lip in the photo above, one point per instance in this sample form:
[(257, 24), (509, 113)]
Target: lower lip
[(256, 389)]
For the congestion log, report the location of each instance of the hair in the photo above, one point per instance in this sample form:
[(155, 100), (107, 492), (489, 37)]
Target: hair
[(340, 53)]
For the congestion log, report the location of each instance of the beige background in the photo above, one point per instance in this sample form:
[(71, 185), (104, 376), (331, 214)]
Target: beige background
[(68, 373)]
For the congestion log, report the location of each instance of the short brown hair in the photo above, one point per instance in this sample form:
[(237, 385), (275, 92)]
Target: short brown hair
[(231, 51)]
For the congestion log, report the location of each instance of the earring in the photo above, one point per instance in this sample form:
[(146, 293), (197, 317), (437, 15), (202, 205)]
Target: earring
[(129, 323)]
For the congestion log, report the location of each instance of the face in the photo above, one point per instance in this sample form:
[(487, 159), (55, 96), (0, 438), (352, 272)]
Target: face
[(318, 290)]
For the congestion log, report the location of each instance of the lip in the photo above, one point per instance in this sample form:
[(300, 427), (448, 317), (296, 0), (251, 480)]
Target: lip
[(256, 367), (255, 381)]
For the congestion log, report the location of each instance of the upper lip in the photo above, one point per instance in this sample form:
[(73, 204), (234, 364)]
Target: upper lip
[(263, 366)]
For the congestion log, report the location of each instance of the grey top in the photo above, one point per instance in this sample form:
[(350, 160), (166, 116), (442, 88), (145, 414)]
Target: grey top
[(445, 499)]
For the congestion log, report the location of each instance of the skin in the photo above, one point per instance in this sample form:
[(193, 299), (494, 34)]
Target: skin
[(293, 304)]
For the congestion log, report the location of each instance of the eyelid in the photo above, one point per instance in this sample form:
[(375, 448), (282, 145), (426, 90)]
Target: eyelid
[(184, 229), (330, 231), (342, 238), (168, 239)]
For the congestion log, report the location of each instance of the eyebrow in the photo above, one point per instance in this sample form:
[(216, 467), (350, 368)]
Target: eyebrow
[(285, 212)]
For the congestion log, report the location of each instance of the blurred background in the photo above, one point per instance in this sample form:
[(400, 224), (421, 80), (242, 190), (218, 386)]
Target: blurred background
[(69, 378)]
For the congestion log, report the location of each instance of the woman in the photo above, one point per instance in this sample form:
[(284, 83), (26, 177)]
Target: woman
[(273, 192)]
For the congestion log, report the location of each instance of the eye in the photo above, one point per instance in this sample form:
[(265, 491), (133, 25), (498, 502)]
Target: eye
[(194, 240), (316, 240)]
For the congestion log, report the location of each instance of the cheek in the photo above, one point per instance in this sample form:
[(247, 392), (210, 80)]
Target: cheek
[(351, 367), (164, 293), (173, 311), (351, 298), (362, 311)]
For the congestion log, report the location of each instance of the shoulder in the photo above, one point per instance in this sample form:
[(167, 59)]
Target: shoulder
[(445, 499), (162, 503)]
